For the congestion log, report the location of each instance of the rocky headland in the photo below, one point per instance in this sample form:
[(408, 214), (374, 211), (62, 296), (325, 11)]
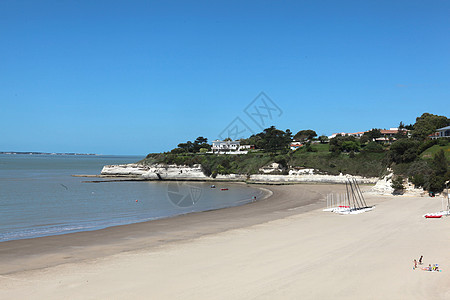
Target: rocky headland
[(195, 173)]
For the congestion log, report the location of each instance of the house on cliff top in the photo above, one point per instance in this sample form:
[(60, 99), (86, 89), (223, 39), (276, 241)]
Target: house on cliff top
[(443, 132), (230, 147)]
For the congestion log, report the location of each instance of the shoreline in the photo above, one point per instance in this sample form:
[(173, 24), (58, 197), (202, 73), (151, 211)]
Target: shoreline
[(277, 248), (41, 252), (118, 178), (260, 192)]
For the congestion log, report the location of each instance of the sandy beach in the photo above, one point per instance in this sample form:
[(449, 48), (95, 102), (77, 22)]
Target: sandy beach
[(282, 247)]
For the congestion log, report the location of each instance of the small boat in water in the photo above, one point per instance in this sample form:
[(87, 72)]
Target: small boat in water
[(224, 189), (212, 186)]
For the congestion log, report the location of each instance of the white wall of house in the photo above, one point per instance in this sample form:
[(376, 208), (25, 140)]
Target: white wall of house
[(443, 132), (225, 145)]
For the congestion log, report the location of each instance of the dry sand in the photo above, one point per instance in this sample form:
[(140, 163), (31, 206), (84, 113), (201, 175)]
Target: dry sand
[(283, 247)]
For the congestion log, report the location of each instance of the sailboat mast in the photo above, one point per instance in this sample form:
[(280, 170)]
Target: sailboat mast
[(363, 201), (348, 195), (355, 199)]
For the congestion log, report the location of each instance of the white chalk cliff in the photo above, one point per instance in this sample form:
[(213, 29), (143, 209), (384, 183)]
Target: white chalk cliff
[(384, 187), (157, 171), (176, 172)]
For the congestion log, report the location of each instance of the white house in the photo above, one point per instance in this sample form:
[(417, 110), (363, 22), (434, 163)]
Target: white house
[(355, 134), (246, 147), (442, 133), (386, 135), (225, 146), (230, 147)]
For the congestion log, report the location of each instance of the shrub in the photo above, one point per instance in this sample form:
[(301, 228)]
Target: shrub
[(440, 163), (443, 141), (397, 184), (308, 148), (344, 143), (425, 145), (349, 146), (434, 184), (404, 150), (418, 180), (373, 147)]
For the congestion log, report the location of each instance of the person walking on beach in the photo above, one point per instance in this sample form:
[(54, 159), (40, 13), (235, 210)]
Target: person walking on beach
[(420, 259), (415, 264)]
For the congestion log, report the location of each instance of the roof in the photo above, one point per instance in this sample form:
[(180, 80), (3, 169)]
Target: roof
[(227, 142), (443, 128), (384, 131)]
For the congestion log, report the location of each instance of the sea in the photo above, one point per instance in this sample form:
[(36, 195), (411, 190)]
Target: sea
[(40, 197)]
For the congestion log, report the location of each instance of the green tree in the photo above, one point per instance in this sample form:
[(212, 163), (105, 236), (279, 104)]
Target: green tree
[(221, 169), (201, 143), (373, 134), (288, 137), (308, 147), (430, 176), (402, 132), (403, 151), (434, 183), (305, 135), (409, 127), (252, 140), (364, 139), (427, 124), (272, 139), (348, 146), (373, 147), (201, 140), (344, 143), (187, 147), (323, 139), (177, 151), (426, 144), (440, 163)]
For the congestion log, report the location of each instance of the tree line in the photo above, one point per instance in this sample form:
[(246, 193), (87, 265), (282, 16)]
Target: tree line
[(402, 154)]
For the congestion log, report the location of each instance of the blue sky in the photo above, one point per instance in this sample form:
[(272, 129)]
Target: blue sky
[(133, 77)]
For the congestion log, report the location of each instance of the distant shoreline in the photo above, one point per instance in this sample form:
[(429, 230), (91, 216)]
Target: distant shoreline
[(43, 153)]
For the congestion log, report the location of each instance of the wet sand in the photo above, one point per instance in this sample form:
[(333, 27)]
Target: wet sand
[(29, 254), (283, 247)]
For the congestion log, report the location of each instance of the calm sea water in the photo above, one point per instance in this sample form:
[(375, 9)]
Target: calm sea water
[(39, 197)]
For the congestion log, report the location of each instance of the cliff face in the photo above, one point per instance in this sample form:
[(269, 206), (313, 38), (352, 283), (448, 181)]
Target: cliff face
[(384, 187), (156, 172), (175, 172), (308, 178)]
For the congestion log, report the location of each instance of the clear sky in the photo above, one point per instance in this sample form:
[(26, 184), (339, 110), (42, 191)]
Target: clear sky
[(133, 77)]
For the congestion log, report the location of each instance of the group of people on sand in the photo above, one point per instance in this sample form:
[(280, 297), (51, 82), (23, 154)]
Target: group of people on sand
[(434, 267)]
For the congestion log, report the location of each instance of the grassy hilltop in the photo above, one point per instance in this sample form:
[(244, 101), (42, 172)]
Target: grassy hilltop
[(411, 154)]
